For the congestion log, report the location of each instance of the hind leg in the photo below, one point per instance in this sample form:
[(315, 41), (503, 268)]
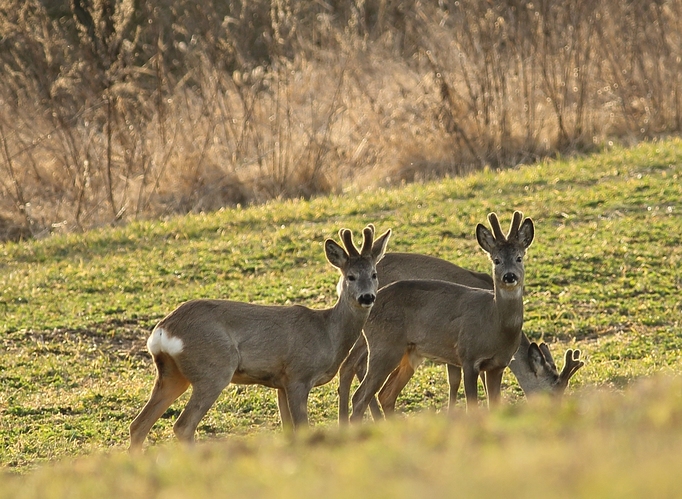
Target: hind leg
[(204, 395), (397, 381), (169, 385), (207, 385)]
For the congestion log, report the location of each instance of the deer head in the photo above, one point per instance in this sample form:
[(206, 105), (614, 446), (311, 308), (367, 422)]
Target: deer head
[(542, 367), (358, 268), (507, 252)]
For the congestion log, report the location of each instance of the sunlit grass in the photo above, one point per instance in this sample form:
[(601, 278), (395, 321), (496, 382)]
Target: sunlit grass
[(596, 444)]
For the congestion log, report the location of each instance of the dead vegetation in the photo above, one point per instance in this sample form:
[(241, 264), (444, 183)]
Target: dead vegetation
[(114, 110)]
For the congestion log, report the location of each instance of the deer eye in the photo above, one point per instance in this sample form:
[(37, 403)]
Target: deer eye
[(351, 278), (497, 261), (374, 276), (519, 259)]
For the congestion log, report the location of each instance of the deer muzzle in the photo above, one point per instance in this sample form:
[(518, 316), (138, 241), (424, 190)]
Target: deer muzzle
[(367, 300), (510, 278)]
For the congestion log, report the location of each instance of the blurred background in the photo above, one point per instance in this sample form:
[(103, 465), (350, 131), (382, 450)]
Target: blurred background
[(114, 110)]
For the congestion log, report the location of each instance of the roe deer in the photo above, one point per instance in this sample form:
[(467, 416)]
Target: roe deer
[(532, 364), (477, 330), (211, 343)]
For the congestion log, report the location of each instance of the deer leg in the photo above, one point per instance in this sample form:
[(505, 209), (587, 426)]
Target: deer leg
[(354, 365), (203, 397), (375, 409), (392, 387), (377, 413), (379, 367), (346, 373), (471, 386), (345, 379), (397, 381), (284, 413), (205, 391), (169, 385), (493, 382), (360, 371), (297, 395), (454, 380)]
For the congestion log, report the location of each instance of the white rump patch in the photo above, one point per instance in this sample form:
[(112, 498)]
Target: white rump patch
[(161, 341)]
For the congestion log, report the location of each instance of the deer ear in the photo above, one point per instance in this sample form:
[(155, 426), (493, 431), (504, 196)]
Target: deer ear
[(335, 254), (379, 246), (526, 233), (536, 360), (485, 238)]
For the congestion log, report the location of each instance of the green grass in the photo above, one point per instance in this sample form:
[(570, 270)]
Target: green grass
[(603, 275)]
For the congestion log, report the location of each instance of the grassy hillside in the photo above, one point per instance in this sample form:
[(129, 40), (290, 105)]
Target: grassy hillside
[(602, 275)]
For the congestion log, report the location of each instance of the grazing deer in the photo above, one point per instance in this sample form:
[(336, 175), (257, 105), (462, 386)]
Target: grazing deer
[(477, 330), (211, 343), (532, 364)]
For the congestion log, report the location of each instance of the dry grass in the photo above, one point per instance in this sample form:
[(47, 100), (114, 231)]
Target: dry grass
[(114, 111)]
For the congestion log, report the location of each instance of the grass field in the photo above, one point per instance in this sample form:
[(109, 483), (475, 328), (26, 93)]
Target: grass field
[(603, 275)]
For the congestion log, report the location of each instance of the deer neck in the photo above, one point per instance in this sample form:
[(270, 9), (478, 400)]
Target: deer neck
[(347, 320), (509, 306), (520, 366)]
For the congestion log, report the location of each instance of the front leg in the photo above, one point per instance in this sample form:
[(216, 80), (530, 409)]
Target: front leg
[(454, 380), (346, 374), (471, 386), (379, 367), (297, 397), (493, 382), (284, 412)]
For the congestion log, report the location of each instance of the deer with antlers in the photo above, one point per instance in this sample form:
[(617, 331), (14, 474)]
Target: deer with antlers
[(475, 329), (209, 344), (532, 364)]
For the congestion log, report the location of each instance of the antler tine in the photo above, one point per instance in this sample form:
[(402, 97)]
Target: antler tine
[(347, 238), (368, 240), (515, 224), (495, 225), (571, 364)]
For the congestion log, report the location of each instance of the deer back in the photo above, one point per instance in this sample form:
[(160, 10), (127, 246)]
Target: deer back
[(401, 266)]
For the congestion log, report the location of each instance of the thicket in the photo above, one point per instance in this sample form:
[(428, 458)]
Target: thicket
[(112, 110)]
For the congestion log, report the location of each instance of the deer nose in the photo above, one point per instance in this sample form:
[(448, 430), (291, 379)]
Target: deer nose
[(367, 299), (510, 278)]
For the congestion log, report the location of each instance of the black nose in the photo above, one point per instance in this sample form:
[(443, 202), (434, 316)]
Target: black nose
[(366, 299), (510, 278)]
